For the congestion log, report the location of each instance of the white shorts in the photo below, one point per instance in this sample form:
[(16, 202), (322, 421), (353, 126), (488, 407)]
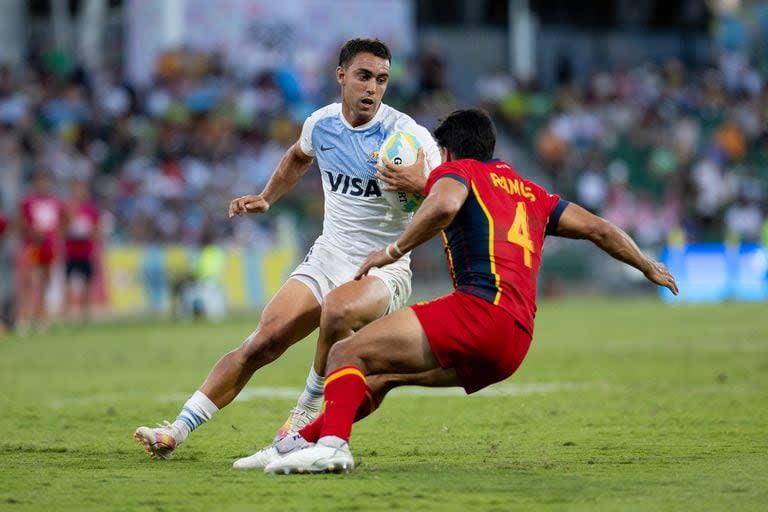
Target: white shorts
[(325, 268)]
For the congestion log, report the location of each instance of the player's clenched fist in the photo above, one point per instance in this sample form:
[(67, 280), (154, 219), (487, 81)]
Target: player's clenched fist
[(248, 204)]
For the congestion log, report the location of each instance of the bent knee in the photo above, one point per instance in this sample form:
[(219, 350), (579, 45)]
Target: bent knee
[(338, 315)]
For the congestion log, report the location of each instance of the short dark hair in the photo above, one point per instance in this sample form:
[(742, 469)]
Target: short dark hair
[(355, 46), (467, 134)]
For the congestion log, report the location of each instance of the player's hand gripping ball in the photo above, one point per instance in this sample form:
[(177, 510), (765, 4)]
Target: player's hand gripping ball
[(401, 148)]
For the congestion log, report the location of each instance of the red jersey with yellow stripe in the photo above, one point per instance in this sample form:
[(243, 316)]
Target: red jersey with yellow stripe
[(495, 241)]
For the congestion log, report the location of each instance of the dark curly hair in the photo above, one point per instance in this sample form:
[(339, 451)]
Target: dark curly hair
[(467, 134)]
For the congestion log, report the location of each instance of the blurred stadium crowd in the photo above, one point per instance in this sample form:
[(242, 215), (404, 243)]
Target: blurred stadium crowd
[(165, 161), (658, 149), (664, 151), (654, 148)]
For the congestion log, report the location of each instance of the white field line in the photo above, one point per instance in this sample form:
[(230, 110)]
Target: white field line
[(289, 393)]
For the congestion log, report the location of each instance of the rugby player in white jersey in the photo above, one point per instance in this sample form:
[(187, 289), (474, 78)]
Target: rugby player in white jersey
[(344, 138)]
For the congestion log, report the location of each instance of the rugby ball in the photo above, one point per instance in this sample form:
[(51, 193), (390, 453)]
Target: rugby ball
[(401, 148)]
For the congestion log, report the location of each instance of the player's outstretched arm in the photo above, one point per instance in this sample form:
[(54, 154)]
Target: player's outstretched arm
[(403, 178), (576, 222), (292, 166), (437, 211)]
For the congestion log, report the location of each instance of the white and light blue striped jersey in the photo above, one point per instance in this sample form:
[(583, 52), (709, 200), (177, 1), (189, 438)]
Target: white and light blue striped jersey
[(357, 218)]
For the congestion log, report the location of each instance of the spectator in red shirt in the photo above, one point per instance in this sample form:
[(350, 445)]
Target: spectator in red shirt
[(40, 217), (6, 279), (83, 237)]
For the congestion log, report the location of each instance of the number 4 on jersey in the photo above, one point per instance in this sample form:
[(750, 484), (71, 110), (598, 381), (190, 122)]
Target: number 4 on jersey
[(518, 234)]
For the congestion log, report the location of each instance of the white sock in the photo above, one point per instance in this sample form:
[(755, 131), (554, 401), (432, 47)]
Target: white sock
[(332, 441), (196, 411), (312, 396)]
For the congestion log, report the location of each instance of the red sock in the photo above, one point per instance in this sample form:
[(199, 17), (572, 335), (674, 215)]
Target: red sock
[(367, 407), (311, 432), (345, 391)]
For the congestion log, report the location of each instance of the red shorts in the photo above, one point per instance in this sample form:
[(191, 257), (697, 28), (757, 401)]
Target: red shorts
[(482, 342)]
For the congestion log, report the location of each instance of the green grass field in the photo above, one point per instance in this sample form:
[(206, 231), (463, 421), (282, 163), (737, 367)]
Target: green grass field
[(620, 405)]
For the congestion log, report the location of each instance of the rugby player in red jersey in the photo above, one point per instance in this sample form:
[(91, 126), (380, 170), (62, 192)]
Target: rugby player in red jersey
[(493, 223), (40, 215)]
